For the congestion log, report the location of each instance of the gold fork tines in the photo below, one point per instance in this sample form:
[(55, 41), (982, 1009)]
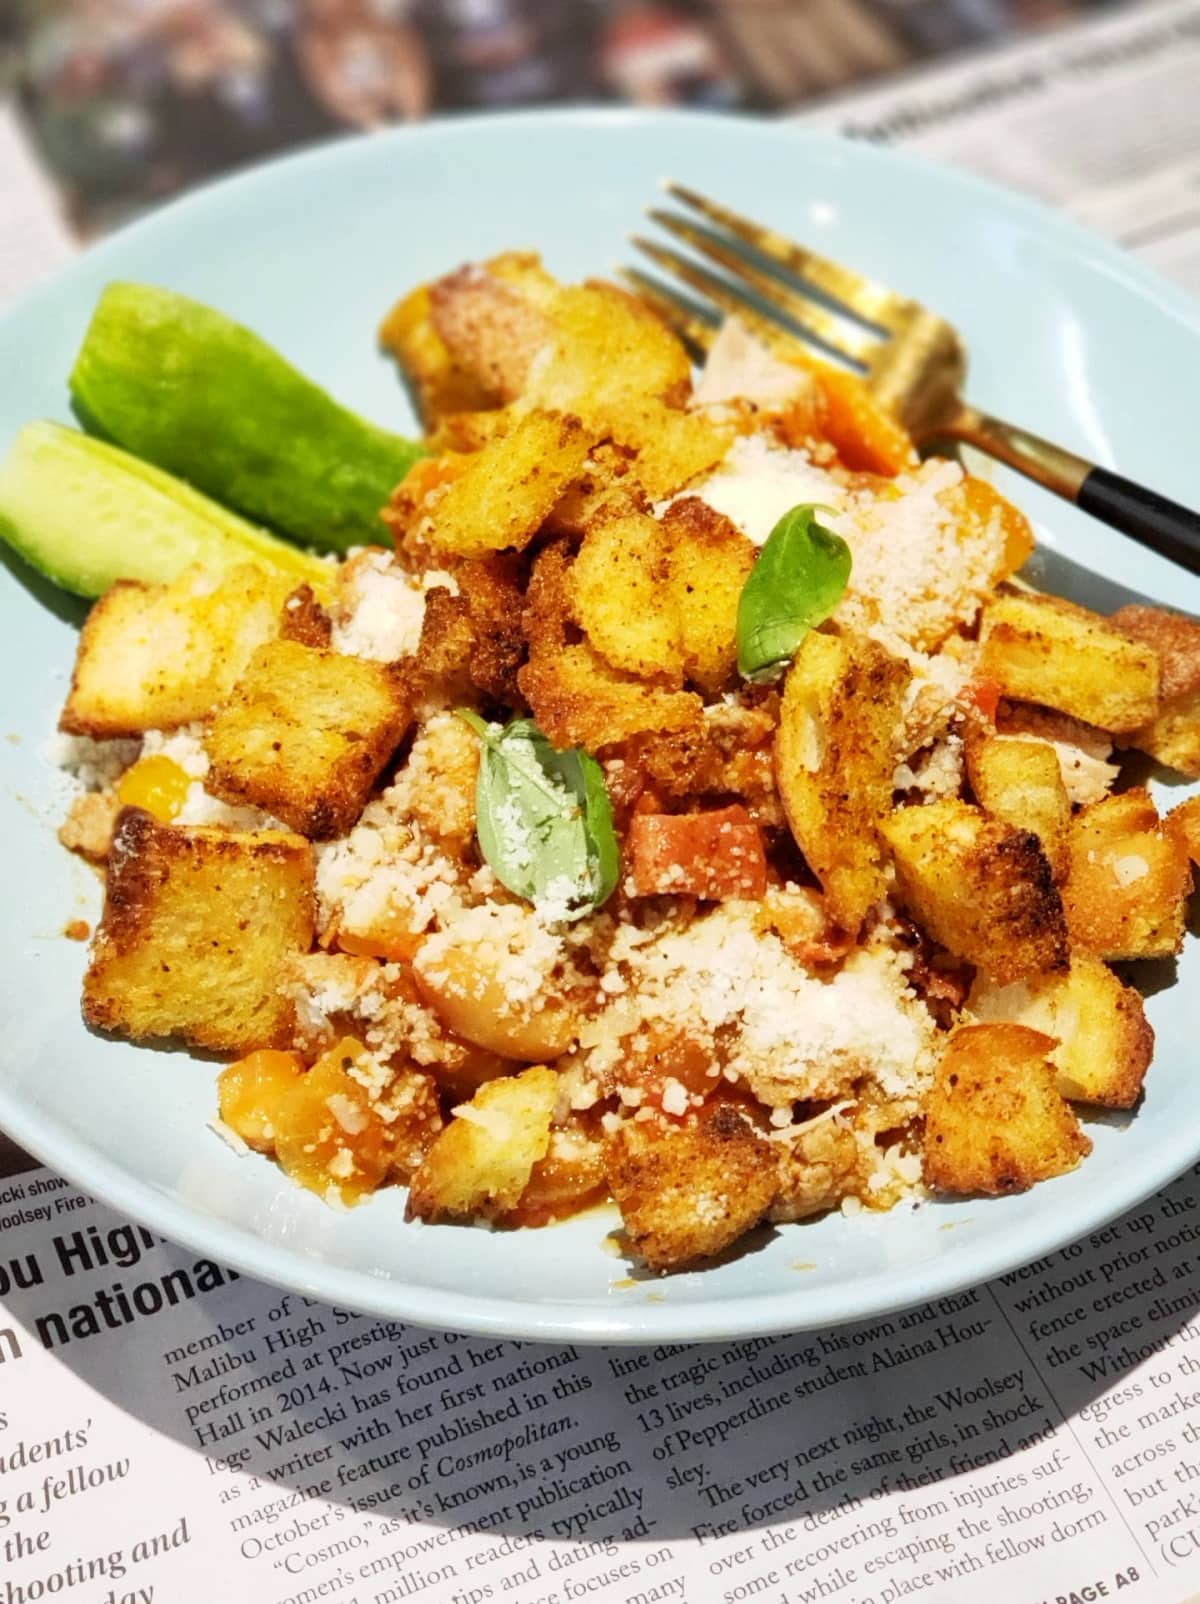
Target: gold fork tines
[(912, 360)]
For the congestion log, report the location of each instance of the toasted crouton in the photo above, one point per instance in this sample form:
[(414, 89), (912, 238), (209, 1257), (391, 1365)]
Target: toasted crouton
[(1184, 824), (576, 697), (834, 763), (482, 1161), (492, 327), (1104, 1040), (157, 656), (441, 383), (1040, 649), (305, 734), (994, 1122), (672, 447), (708, 563), (1173, 735), (1083, 752), (197, 925), (982, 889), (607, 347), (621, 597), (1128, 880), (1020, 782), (505, 492), (686, 1192)]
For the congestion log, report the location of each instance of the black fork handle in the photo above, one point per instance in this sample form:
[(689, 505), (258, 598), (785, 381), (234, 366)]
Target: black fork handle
[(1152, 520)]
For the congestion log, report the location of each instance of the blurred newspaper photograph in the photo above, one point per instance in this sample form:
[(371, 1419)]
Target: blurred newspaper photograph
[(126, 102)]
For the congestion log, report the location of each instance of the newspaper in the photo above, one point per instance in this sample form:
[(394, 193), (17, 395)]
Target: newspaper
[(170, 1431)]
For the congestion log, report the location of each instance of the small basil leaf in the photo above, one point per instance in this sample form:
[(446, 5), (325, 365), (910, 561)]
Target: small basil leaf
[(544, 819), (798, 580)]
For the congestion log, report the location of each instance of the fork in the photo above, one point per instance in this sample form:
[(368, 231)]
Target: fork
[(914, 362)]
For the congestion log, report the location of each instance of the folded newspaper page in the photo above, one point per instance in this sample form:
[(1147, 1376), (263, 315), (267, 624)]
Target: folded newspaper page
[(171, 1431)]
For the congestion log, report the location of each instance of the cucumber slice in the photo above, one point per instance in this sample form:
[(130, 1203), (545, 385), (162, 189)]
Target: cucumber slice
[(188, 389), (84, 514)]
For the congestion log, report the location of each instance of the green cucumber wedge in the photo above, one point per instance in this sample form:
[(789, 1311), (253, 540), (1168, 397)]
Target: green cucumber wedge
[(193, 392), (84, 514)]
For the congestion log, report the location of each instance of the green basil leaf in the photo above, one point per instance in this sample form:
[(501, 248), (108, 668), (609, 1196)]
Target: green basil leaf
[(799, 578), (544, 820)]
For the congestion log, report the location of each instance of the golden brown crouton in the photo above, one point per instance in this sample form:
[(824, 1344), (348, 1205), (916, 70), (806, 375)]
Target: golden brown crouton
[(1128, 880), (482, 1161), (1104, 1038), (440, 383), (576, 697), (1020, 782), (473, 641), (671, 447), (1040, 649), (491, 327), (305, 734), (708, 563), (1184, 824), (505, 492), (157, 656), (607, 347), (304, 619), (980, 888), (687, 1192), (621, 597), (197, 925), (1083, 752), (1173, 735), (993, 1121), (818, 1167), (834, 762)]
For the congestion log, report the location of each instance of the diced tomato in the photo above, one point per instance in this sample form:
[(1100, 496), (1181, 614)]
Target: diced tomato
[(984, 694), (707, 855)]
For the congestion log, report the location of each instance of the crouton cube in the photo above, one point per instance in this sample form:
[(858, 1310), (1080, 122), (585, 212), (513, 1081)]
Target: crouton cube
[(708, 563), (607, 348), (834, 762), (1128, 880), (672, 447), (440, 383), (1184, 824), (481, 1163), (577, 698), (1173, 735), (707, 855), (1104, 1040), (1020, 783), (620, 594), (994, 1122), (505, 492), (687, 1192), (1040, 649), (305, 734), (491, 326), (157, 656), (197, 926), (982, 889)]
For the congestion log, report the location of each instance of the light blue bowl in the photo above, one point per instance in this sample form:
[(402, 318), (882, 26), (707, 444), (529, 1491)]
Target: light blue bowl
[(1067, 336)]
